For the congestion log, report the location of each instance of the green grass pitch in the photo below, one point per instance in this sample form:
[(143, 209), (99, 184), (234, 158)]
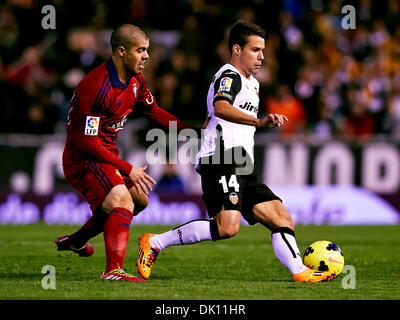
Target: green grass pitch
[(242, 268)]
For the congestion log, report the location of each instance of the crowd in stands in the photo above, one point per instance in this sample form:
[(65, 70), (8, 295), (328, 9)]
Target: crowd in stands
[(328, 80)]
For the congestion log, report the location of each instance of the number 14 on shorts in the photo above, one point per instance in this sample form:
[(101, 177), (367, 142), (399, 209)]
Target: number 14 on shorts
[(232, 183)]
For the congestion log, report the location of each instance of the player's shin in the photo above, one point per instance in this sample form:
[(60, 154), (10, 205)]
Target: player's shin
[(286, 250), (92, 227), (116, 236)]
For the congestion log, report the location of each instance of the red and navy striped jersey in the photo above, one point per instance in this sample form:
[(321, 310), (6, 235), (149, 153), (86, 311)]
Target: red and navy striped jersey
[(99, 110)]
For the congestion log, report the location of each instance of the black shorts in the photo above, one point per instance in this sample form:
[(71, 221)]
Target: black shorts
[(223, 187)]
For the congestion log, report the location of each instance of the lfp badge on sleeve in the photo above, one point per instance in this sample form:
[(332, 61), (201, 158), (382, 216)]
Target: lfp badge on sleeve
[(92, 126)]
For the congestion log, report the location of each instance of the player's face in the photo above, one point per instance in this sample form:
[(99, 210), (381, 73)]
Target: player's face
[(135, 58), (251, 55)]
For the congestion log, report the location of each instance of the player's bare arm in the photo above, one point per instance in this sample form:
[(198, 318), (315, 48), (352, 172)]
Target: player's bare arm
[(224, 110)]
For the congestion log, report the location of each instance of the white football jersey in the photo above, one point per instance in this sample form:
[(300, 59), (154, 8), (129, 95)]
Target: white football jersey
[(228, 84)]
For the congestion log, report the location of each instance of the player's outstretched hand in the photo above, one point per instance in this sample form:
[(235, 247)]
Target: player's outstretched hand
[(272, 120), (141, 180)]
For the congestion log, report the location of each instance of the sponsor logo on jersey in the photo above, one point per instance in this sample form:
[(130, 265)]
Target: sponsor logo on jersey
[(92, 126), (225, 84), (116, 126), (233, 197), (149, 98), (249, 107)]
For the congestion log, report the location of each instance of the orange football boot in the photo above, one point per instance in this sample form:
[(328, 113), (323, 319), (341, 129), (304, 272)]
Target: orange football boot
[(311, 275), (147, 255)]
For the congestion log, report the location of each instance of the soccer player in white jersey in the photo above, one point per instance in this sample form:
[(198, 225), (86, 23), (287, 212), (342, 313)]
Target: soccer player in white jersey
[(225, 161)]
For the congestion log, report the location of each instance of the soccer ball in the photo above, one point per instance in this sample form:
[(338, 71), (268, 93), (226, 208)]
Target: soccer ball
[(323, 256)]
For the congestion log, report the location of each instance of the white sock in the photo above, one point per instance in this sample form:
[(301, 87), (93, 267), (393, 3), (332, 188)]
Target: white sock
[(286, 250), (192, 232)]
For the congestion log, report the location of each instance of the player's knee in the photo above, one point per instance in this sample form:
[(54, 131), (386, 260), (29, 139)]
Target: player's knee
[(140, 204), (289, 222), (140, 201), (118, 197), (279, 216), (127, 203), (282, 219), (228, 231)]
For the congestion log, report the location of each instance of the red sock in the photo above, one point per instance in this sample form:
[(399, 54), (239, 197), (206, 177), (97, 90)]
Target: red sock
[(92, 227), (116, 235)]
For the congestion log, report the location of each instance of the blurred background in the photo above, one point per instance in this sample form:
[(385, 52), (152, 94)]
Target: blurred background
[(339, 87)]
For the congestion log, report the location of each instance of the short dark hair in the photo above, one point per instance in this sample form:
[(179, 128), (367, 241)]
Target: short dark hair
[(125, 35), (241, 30)]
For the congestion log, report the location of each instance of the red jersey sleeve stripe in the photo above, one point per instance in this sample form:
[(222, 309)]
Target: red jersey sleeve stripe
[(103, 94), (106, 92), (100, 91)]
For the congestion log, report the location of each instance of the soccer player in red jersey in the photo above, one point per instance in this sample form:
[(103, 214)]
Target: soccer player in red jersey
[(115, 189)]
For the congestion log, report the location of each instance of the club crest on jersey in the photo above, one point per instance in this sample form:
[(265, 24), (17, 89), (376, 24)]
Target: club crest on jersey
[(92, 126), (135, 90), (233, 197), (225, 84)]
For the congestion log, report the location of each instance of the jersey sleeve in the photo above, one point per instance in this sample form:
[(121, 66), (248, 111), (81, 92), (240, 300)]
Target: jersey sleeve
[(155, 113), (84, 127), (227, 86)]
